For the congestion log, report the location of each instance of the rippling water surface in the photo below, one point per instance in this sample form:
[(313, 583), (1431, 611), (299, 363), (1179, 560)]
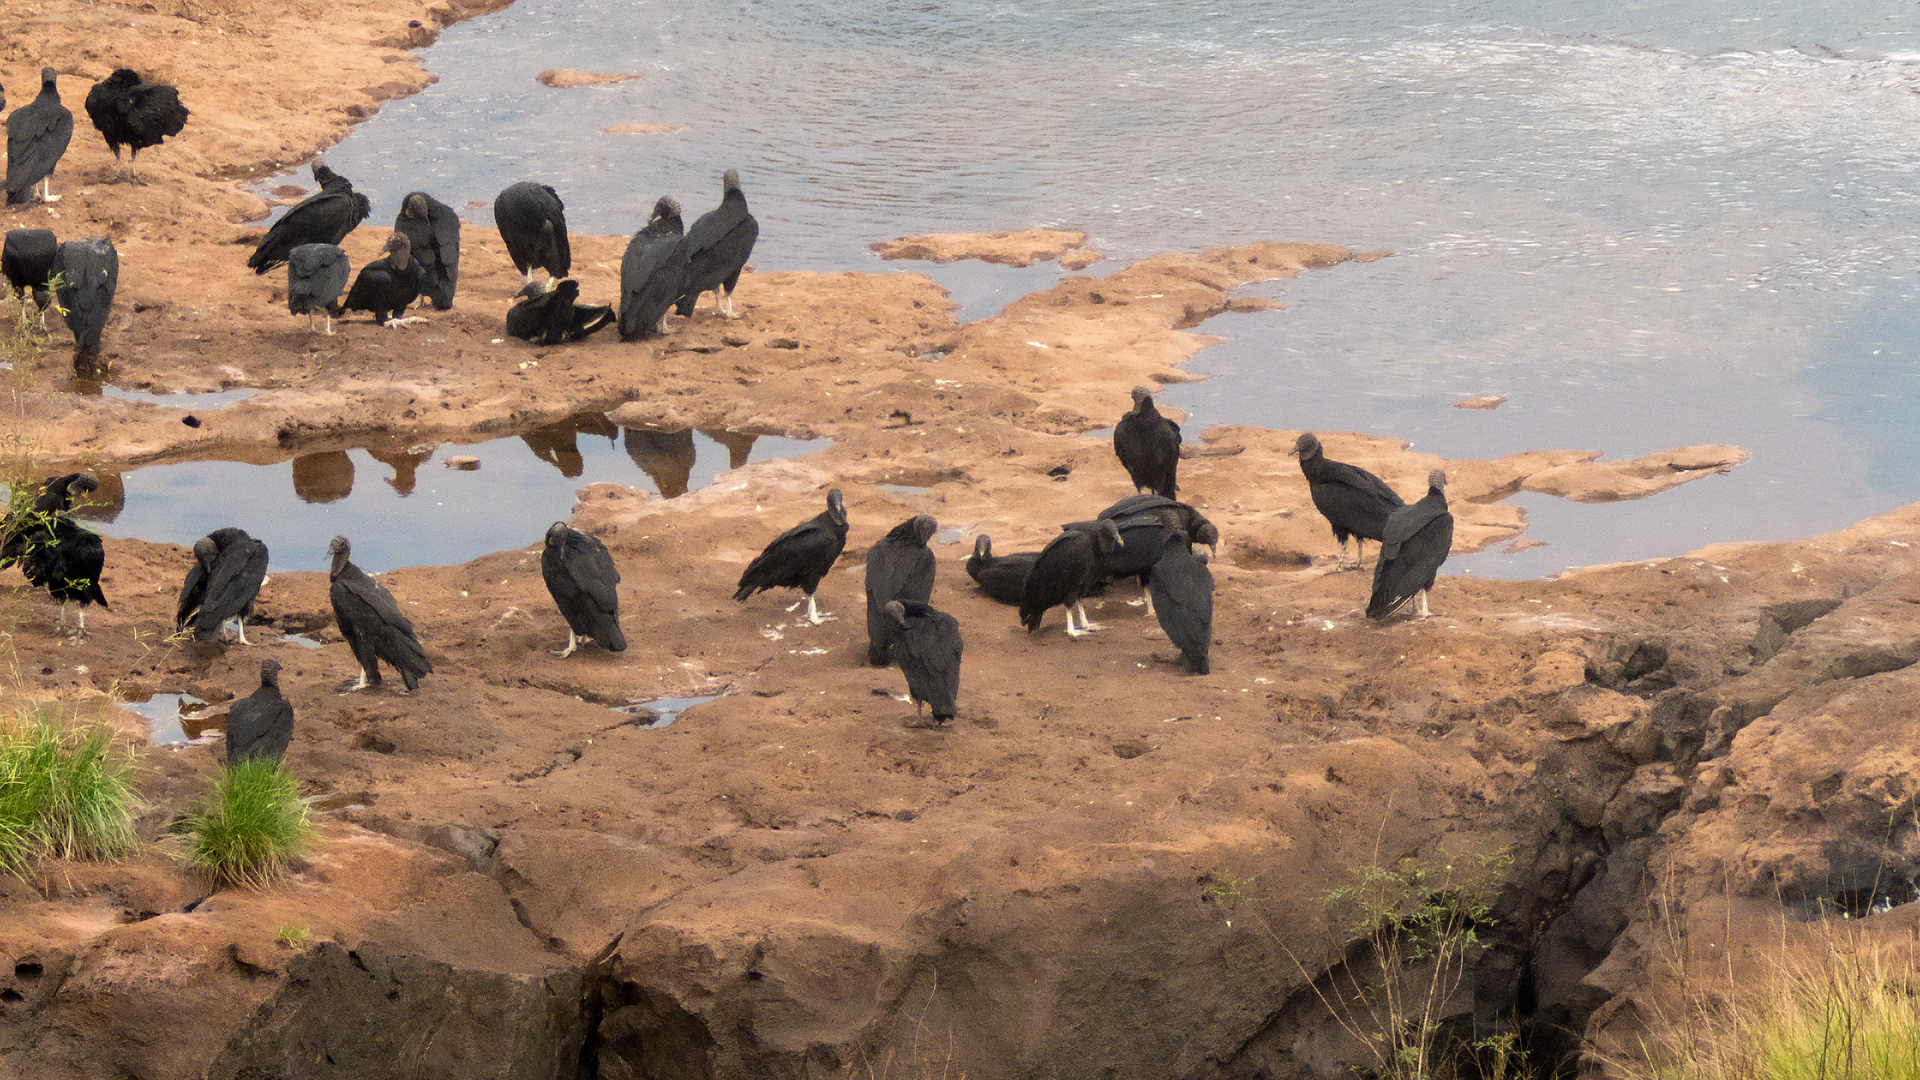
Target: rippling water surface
[(1645, 224)]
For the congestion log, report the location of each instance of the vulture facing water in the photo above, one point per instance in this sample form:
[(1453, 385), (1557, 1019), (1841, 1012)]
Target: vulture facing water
[(229, 567), (718, 247), (1415, 543), (927, 645), (386, 285), (37, 137), (1182, 591), (1001, 577), (130, 112), (652, 272), (433, 231), (1354, 501), (533, 225), (372, 622), (581, 577), (1066, 572), (554, 315), (316, 276), (899, 567), (1148, 446), (800, 557), (89, 273), (260, 725), (324, 217)]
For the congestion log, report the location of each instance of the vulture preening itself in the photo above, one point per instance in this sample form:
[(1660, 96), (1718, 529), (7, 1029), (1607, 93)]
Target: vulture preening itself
[(89, 272), (718, 247), (1354, 501), (372, 622), (26, 260), (800, 557), (260, 725), (1067, 570), (324, 217), (1412, 547), (228, 569), (652, 271), (533, 225), (899, 567), (386, 285), (1148, 446), (130, 112), (927, 645), (1002, 577), (580, 574), (1182, 590), (433, 230), (316, 276), (553, 315), (37, 136)]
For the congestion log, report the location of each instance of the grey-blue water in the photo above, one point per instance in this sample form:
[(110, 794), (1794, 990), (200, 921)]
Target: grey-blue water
[(1646, 224)]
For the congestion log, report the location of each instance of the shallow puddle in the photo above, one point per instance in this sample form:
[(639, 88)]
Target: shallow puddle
[(665, 710), (174, 719)]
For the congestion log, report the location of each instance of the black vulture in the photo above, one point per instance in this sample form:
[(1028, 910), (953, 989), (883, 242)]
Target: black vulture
[(372, 622), (433, 229), (228, 569), (1412, 548), (800, 557), (386, 285), (28, 524), (1148, 445), (37, 135), (652, 272), (1191, 519), (27, 262), (1068, 569), (260, 725), (927, 645), (89, 272), (316, 276), (1143, 539), (1182, 591), (899, 567), (718, 247), (130, 112), (324, 217), (533, 224), (1002, 577), (1354, 501), (66, 560), (554, 315), (581, 576)]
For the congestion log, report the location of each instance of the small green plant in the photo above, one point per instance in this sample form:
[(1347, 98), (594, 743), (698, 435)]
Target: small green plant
[(65, 791), (1229, 890), (250, 828), (292, 935)]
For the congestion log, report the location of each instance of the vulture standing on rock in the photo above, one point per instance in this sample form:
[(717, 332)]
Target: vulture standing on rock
[(652, 272), (37, 136), (1415, 543), (554, 315), (371, 621), (26, 260), (800, 557), (533, 225), (899, 567), (386, 285), (1354, 501), (718, 247), (89, 272), (130, 112), (581, 576), (1068, 569), (1182, 590), (260, 725), (27, 525), (1148, 445), (316, 276), (433, 230), (228, 569), (927, 645), (1001, 577), (324, 217)]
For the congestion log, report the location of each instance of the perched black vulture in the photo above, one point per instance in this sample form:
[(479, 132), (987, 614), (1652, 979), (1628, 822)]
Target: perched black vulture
[(927, 645), (533, 224), (67, 560), (1354, 501), (316, 276), (1148, 445), (386, 285), (433, 229), (27, 262), (718, 247), (1143, 539), (581, 576), (89, 272), (651, 272), (1413, 546), (324, 217), (260, 725), (1068, 569), (27, 525), (37, 136), (899, 567), (1002, 577), (371, 621), (228, 569), (1182, 591), (130, 112), (800, 557), (553, 315)]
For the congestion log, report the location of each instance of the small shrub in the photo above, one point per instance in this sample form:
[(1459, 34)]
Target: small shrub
[(250, 828), (64, 792)]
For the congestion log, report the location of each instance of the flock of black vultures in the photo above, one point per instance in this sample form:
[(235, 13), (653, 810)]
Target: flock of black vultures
[(1148, 536)]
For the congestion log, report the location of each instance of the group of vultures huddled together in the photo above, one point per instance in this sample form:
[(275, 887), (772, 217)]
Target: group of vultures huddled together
[(666, 268)]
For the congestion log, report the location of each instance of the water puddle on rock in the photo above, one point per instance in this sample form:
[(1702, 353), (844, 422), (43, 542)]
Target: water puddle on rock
[(663, 710), (176, 719)]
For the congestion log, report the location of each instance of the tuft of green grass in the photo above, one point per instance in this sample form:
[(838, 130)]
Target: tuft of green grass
[(292, 935), (250, 828), (65, 792)]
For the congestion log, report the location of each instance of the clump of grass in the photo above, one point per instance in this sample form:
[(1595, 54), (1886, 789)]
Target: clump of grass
[(65, 792), (250, 828), (292, 935)]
